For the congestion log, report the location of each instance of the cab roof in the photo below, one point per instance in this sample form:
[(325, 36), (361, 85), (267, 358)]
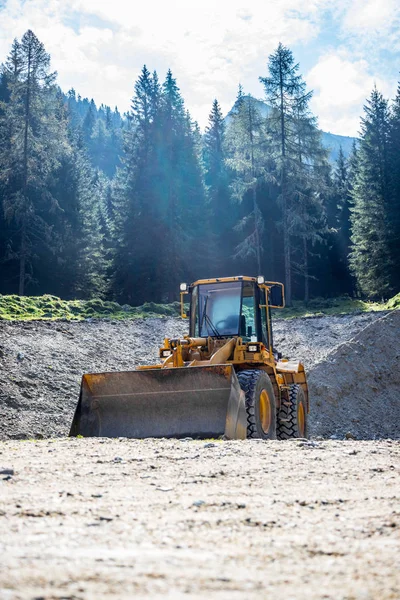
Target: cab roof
[(224, 280)]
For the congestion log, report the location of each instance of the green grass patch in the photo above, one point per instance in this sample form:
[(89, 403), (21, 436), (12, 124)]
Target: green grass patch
[(47, 307), (334, 306)]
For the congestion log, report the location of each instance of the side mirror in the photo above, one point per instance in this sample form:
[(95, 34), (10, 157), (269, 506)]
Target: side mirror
[(276, 298)]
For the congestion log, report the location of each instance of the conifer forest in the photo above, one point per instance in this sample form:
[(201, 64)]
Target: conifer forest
[(94, 203)]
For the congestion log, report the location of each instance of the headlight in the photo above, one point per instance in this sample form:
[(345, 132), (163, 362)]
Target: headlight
[(251, 348), (165, 353)]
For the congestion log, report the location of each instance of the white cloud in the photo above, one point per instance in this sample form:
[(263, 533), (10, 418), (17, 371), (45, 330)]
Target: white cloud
[(341, 86), (210, 46), (368, 16), (99, 46)]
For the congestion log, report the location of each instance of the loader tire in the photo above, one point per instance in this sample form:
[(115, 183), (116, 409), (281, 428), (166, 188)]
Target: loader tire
[(292, 417), (260, 404)]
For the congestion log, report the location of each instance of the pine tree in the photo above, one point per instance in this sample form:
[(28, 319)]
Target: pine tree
[(8, 232), (89, 122), (283, 87), (338, 219), (220, 212), (136, 194), (308, 179), (175, 128), (239, 97), (36, 138), (246, 144), (394, 208), (301, 163), (370, 226), (161, 192)]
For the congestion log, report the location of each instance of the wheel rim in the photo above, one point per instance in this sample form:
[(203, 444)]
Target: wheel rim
[(265, 411), (301, 420)]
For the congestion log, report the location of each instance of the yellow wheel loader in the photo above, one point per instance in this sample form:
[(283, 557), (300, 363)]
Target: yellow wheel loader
[(223, 379)]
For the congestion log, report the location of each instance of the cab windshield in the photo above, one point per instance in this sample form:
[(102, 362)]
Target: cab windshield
[(219, 307)]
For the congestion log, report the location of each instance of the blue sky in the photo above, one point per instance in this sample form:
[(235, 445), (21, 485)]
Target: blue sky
[(344, 48)]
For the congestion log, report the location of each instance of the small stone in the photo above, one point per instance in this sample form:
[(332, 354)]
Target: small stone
[(349, 436), (209, 445), (6, 471), (198, 503), (186, 439), (20, 356)]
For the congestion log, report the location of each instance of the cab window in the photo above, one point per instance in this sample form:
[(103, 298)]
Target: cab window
[(248, 329), (194, 317), (264, 324)]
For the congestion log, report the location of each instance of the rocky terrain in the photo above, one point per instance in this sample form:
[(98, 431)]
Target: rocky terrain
[(352, 362), (100, 519)]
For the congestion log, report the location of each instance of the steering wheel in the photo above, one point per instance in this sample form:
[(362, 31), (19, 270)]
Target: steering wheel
[(219, 323)]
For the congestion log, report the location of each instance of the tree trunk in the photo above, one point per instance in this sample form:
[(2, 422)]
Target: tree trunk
[(285, 204), (22, 258), (306, 275), (257, 230), (287, 253), (255, 205), (23, 245)]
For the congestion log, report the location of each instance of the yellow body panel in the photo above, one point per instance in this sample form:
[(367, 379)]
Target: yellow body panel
[(203, 352)]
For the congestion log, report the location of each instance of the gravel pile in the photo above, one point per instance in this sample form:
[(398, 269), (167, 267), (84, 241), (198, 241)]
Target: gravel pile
[(352, 363)]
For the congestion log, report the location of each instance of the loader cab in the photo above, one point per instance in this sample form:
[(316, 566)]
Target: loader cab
[(234, 308)]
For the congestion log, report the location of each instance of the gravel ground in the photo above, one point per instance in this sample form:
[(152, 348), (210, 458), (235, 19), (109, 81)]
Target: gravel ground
[(93, 519), (352, 363)]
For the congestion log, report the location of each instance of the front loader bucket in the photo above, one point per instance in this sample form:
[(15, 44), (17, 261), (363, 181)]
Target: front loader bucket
[(199, 401)]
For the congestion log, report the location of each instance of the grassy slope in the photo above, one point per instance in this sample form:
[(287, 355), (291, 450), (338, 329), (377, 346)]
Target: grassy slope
[(27, 308), (335, 306)]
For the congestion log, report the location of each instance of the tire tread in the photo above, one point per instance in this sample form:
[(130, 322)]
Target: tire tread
[(248, 381), (286, 425)]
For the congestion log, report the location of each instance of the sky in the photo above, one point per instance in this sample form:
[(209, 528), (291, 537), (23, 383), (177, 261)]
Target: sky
[(98, 47)]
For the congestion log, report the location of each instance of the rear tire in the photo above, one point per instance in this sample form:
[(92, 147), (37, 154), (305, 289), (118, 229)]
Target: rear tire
[(292, 417), (260, 404)]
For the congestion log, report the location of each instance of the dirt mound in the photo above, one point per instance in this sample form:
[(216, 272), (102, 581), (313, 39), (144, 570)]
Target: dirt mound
[(353, 384), (356, 389), (42, 362)]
